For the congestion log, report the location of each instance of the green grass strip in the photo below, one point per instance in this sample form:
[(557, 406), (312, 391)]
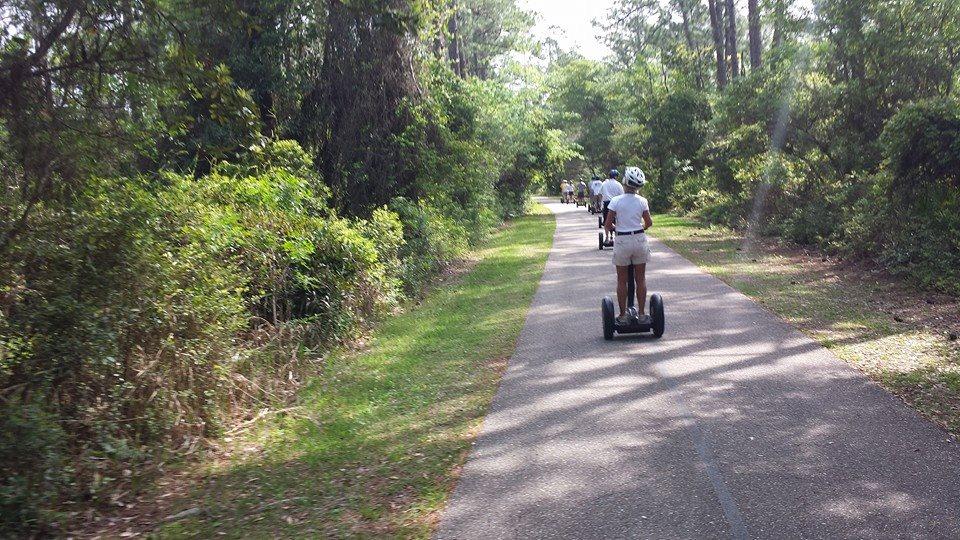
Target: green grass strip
[(891, 331), (377, 445)]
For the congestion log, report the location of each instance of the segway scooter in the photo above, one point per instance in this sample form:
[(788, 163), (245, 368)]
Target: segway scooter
[(654, 322), (604, 243)]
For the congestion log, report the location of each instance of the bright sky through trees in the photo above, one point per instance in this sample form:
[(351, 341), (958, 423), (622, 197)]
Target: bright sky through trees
[(570, 23)]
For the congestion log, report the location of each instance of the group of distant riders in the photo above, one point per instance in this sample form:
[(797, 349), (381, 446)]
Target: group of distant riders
[(626, 217), (567, 190), (578, 193)]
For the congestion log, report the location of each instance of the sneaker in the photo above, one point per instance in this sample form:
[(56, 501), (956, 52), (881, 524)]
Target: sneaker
[(644, 319), (623, 319)]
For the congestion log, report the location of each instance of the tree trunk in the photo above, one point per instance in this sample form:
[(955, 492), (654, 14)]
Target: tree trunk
[(853, 20), (453, 51), (685, 9), (716, 25), (779, 19), (685, 19), (732, 51), (753, 17), (364, 81)]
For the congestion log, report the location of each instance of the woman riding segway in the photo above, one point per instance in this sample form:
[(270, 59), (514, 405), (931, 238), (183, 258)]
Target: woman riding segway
[(631, 212)]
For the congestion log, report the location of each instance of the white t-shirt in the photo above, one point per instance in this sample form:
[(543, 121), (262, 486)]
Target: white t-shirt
[(595, 186), (629, 208), (610, 189)]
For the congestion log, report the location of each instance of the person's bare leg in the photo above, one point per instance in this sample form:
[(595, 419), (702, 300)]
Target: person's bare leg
[(639, 273), (622, 277)]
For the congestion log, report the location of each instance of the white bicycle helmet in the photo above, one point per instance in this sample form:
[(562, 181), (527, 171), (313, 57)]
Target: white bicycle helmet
[(634, 177)]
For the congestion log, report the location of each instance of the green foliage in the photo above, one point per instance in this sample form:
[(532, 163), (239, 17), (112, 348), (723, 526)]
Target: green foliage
[(578, 91), (488, 30), (844, 136), (431, 239), (677, 132), (32, 465), (922, 145), (922, 189), (197, 199), (117, 320), (134, 316)]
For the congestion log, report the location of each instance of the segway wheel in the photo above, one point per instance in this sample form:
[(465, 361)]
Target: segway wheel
[(656, 314), (606, 306), (600, 235)]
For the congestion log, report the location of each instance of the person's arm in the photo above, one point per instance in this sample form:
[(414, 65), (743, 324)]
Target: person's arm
[(647, 220), (611, 216)]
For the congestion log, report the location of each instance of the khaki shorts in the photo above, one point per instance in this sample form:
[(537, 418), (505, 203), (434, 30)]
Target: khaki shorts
[(632, 249)]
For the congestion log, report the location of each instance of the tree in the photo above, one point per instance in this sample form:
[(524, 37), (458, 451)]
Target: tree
[(95, 88), (756, 44), (779, 16), (579, 91), (732, 50), (454, 40), (358, 111), (719, 45), (677, 133), (486, 30)]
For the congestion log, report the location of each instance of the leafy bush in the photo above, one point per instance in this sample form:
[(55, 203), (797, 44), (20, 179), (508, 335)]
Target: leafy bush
[(116, 322), (431, 240), (696, 191), (33, 468), (919, 209), (922, 148), (677, 133), (139, 318)]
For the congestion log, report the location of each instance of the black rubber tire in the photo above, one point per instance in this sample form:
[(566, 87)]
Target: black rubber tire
[(606, 308), (656, 314), (600, 235), (599, 222)]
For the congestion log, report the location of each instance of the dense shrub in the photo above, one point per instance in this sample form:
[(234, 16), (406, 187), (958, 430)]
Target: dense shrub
[(163, 266), (918, 208), (696, 191), (922, 147), (116, 320), (33, 465), (154, 309), (431, 239), (905, 214)]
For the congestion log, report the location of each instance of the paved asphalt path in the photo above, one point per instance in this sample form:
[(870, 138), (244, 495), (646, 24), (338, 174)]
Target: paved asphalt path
[(731, 425)]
